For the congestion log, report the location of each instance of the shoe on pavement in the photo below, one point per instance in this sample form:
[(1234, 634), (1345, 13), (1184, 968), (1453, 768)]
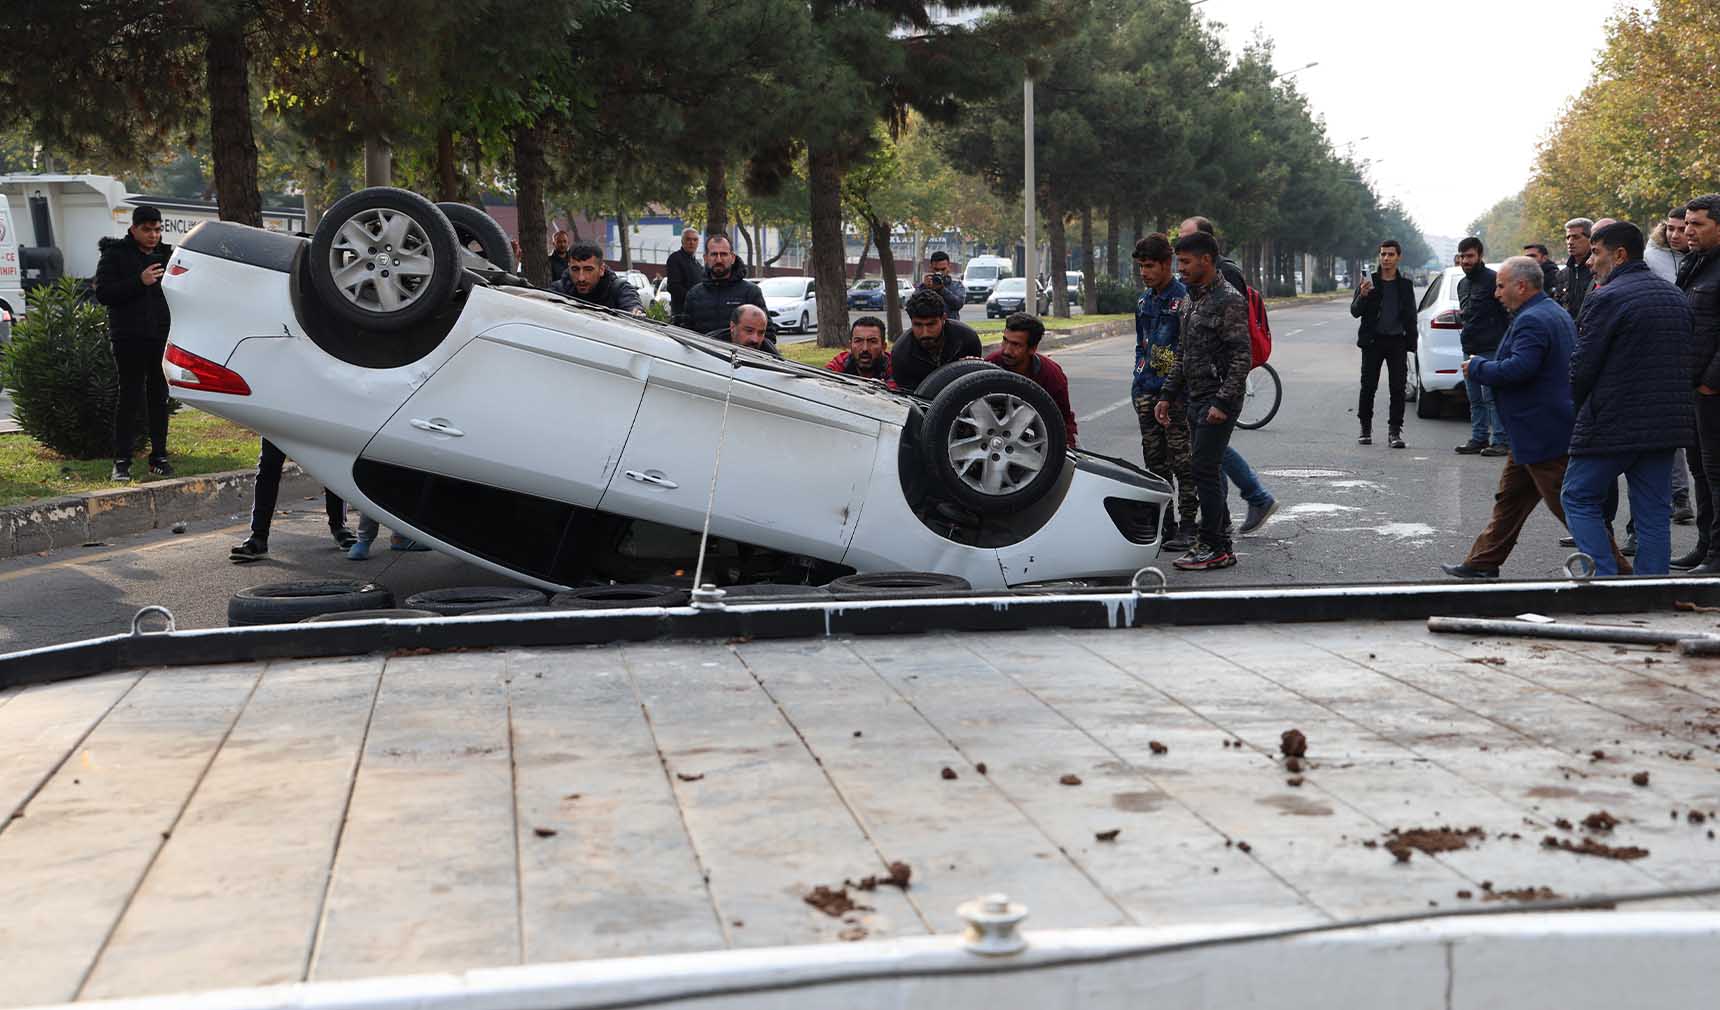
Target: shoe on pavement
[(359, 551), (1709, 567), (121, 471), (1685, 562), (1629, 548), (1471, 448), (1204, 558), (1465, 571), (251, 550), (396, 542), (1495, 450), (160, 466), (1395, 439), (1257, 516), (1367, 435), (1567, 541), (1183, 539), (1682, 513)]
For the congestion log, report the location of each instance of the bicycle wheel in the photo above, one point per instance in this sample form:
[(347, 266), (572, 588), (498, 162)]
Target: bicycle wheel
[(1260, 397)]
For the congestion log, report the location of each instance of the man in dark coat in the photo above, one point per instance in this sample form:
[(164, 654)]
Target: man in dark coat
[(1531, 371), (1699, 276), (932, 341), (558, 255), (1631, 375), (712, 302), (683, 271), (1483, 326), (1549, 270), (128, 282), (1385, 304), (589, 279), (1576, 279)]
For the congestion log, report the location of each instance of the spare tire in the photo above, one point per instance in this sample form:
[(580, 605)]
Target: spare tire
[(943, 375), (394, 614), (384, 259), (763, 591), (292, 602), (466, 599), (619, 596), (512, 610), (897, 584), (994, 441), (473, 226)]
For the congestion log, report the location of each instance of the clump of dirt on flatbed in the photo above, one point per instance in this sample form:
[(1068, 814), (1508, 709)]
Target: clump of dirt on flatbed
[(1404, 843), (1523, 894), (897, 877), (836, 901), (833, 901), (1600, 822), (1590, 847), (1293, 744)]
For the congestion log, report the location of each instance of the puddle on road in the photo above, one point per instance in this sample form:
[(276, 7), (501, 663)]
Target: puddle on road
[(1304, 473), (1314, 508)]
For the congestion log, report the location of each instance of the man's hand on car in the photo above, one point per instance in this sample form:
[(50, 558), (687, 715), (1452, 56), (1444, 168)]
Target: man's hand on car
[(152, 273)]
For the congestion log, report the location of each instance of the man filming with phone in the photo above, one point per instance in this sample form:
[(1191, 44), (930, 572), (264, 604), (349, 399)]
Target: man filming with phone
[(128, 282), (942, 279)]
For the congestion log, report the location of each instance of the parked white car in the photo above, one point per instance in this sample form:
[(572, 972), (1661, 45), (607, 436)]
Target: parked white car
[(527, 433), (1435, 373), (641, 284), (792, 301)]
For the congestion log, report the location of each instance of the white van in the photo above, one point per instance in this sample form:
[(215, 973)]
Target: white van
[(11, 273), (983, 273)]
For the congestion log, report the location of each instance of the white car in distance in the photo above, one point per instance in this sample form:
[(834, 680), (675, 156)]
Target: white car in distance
[(1436, 373), (792, 302), (530, 433)]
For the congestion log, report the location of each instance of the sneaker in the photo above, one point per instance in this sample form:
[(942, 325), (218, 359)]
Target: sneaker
[(1204, 558), (1471, 447), (1395, 440), (1257, 516), (1183, 539), (250, 550), (1496, 450), (1629, 548), (1686, 562), (160, 466), (1682, 513), (1367, 435), (121, 471), (344, 538), (1464, 571), (359, 551), (1567, 541), (396, 542)]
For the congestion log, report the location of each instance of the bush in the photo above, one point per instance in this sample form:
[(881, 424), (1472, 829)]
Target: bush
[(1116, 297), (61, 373), (1324, 284)]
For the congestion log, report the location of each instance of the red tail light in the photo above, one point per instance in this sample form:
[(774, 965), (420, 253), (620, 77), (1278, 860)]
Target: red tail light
[(176, 269), (189, 371), (1447, 320)]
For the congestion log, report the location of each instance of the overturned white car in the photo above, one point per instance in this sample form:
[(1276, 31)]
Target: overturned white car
[(551, 440)]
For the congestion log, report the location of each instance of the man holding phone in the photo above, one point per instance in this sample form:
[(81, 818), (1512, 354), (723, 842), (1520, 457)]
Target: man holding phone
[(128, 282)]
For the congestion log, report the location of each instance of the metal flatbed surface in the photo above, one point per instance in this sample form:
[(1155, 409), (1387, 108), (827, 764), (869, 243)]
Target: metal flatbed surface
[(204, 827)]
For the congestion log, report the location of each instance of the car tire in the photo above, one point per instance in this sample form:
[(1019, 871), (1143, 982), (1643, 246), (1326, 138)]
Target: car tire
[(897, 584), (512, 610), (1429, 405), (618, 597), (1412, 390), (761, 591), (362, 300), (987, 479), (292, 602), (466, 599), (386, 614), (805, 323), (943, 375), (473, 225)]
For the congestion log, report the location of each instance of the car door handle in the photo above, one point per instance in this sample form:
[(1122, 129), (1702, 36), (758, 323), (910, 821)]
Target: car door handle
[(650, 477), (436, 425)]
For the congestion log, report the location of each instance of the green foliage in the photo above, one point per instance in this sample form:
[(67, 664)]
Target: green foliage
[(61, 373), (1116, 296)]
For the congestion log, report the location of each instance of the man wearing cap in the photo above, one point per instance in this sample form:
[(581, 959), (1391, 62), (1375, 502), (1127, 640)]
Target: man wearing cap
[(128, 282)]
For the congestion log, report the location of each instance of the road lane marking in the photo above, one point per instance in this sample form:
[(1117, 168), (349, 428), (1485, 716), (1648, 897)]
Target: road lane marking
[(1102, 411)]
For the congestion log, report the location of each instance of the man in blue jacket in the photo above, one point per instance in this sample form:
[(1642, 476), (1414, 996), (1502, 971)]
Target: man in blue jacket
[(1530, 377), (1164, 447), (1632, 375)]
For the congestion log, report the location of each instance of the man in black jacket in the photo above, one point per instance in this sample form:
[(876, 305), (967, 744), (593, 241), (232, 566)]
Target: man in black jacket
[(1549, 270), (683, 272), (1385, 304), (1484, 325), (1576, 279), (933, 340), (589, 279), (558, 255), (712, 301), (128, 282), (1699, 276)]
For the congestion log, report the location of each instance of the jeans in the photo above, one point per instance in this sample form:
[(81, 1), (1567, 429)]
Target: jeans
[(269, 462), (1484, 426), (142, 387), (1705, 472), (1389, 351), (1648, 476), (1235, 470), (1207, 444)]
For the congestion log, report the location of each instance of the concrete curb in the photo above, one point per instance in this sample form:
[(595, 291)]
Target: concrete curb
[(68, 521)]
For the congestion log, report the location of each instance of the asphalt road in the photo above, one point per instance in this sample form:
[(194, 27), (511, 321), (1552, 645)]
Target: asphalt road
[(1348, 513)]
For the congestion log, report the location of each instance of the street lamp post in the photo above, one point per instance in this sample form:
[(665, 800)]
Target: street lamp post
[(1029, 267)]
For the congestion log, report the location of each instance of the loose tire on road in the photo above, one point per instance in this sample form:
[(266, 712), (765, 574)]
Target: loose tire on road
[(943, 375), (994, 441), (384, 259), (292, 602), (466, 599), (392, 614), (618, 597), (473, 226), (897, 584)]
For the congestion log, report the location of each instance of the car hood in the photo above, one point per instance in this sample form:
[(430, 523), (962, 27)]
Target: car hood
[(783, 303)]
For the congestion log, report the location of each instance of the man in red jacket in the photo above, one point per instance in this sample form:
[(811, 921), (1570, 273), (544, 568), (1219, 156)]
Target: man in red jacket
[(1020, 354)]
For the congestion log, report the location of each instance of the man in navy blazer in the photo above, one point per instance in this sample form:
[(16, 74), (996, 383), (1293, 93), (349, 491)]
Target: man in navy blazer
[(1530, 375)]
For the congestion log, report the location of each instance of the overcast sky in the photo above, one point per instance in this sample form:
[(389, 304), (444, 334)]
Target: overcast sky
[(1424, 84)]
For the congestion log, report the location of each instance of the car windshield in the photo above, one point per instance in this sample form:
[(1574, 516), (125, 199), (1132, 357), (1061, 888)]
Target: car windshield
[(1072, 278), (782, 287), (1012, 286), (869, 285), (982, 273)]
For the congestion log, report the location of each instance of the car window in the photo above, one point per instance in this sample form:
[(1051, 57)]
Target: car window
[(982, 273), (1072, 277), (782, 287), (1432, 293), (811, 288), (1012, 286)]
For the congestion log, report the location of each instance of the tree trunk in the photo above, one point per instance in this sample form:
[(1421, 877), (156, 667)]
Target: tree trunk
[(572, 225), (315, 178), (470, 180), (234, 146), (829, 268), (1058, 261), (751, 259), (716, 197), (622, 228), (447, 173), (1090, 296), (892, 299), (378, 160), (529, 172), (865, 247)]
